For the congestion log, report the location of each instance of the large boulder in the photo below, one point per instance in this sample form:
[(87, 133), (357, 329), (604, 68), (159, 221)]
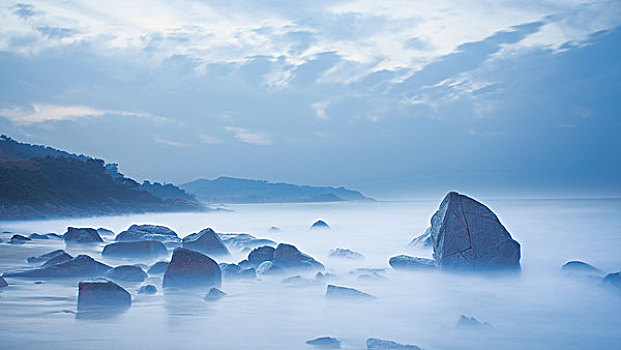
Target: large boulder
[(336, 292), (289, 257), (19, 239), (206, 242), (404, 262), (45, 257), (189, 268), (261, 254), (243, 241), (149, 233), (325, 343), (128, 273), (82, 235), (80, 266), (135, 249), (467, 235), (379, 344), (102, 294)]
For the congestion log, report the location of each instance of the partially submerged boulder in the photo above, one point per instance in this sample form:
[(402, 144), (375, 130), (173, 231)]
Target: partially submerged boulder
[(467, 235), (612, 280), (102, 294), (471, 322), (158, 267), (37, 236), (135, 249), (325, 343), (234, 271), (149, 233), (336, 292), (243, 241), (214, 294), (82, 235), (273, 229), (127, 273), (261, 254), (289, 257), (80, 266), (19, 239), (320, 224), (580, 268), (3, 282), (58, 259), (45, 257), (379, 344), (270, 268), (189, 268), (405, 262), (147, 289), (206, 242), (345, 254), (105, 232)]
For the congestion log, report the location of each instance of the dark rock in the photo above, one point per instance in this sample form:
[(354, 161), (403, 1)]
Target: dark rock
[(244, 264), (273, 229), (270, 268), (206, 242), (80, 266), (82, 235), (325, 343), (54, 235), (289, 257), (214, 294), (612, 280), (241, 241), (57, 259), (3, 282), (404, 262), (336, 292), (45, 257), (323, 277), (147, 289), (158, 267), (345, 254), (189, 268), (105, 232), (19, 239), (261, 254), (102, 294), (471, 322), (149, 233), (425, 240), (320, 224), (37, 236), (135, 249), (468, 235), (128, 273), (580, 267), (233, 271), (379, 344)]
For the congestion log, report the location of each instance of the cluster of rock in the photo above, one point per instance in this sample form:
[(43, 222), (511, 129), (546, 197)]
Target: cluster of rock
[(581, 269), (284, 258)]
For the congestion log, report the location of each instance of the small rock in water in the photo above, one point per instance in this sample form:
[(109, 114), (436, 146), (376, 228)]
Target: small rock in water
[(82, 235), (379, 344), (345, 253), (158, 267), (37, 236), (579, 267), (404, 262), (319, 224), (206, 242), (214, 294), (102, 294), (471, 322), (147, 289), (336, 292), (289, 257), (129, 273), (273, 229), (261, 254), (3, 282), (105, 232), (46, 256), (612, 280), (80, 266), (189, 268), (325, 343), (135, 249), (19, 239)]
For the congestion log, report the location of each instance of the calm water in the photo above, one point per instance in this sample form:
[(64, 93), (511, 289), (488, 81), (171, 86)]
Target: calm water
[(541, 309)]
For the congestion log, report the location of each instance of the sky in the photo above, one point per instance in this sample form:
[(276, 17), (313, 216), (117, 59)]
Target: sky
[(395, 98)]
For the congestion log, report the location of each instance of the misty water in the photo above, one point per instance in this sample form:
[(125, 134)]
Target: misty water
[(539, 309)]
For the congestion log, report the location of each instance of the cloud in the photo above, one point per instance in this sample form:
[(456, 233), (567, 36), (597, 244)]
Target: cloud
[(42, 113), (320, 109), (170, 143), (246, 136), (210, 140)]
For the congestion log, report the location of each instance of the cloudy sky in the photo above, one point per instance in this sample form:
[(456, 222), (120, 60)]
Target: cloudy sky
[(393, 98)]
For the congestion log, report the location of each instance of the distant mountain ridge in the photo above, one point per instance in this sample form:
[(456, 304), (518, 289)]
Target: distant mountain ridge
[(235, 190)]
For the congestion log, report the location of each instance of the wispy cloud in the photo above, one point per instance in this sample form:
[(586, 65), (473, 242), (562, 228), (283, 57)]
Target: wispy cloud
[(41, 113), (170, 143), (246, 136), (320, 109), (210, 140)]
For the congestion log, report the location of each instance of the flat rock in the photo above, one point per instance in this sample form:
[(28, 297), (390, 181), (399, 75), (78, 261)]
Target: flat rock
[(45, 257), (405, 262), (467, 235), (105, 232), (206, 242), (147, 289), (325, 343), (320, 224), (158, 267), (214, 294), (379, 344), (37, 236), (336, 292), (135, 249), (128, 273), (189, 268), (580, 267), (80, 266), (82, 235), (345, 254), (102, 294), (3, 282), (261, 254), (149, 233), (19, 239), (243, 241)]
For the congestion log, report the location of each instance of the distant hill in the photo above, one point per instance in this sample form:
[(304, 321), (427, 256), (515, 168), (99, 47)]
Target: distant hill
[(234, 190), (40, 182)]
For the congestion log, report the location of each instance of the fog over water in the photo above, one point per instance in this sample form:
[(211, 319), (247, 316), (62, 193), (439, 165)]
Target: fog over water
[(539, 309)]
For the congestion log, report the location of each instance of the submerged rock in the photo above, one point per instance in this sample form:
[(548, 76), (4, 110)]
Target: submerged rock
[(80, 266), (19, 239), (54, 235), (147, 289), (471, 322), (579, 267), (320, 224), (289, 257), (242, 241), (273, 229), (336, 292), (3, 282), (158, 267), (325, 343), (102, 294), (105, 232), (189, 268), (37, 236), (135, 249), (128, 273), (233, 271), (149, 233), (345, 254), (261, 254), (214, 294), (206, 242), (82, 235), (467, 235), (612, 280), (58, 259), (45, 257), (404, 262), (379, 344)]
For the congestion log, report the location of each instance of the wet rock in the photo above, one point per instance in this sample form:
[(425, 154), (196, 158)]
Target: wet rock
[(468, 235), (19, 239), (149, 233), (404, 262), (37, 236), (612, 280), (270, 268), (80, 266), (241, 241), (57, 259), (244, 264), (425, 240), (379, 344), (214, 294), (128, 273), (45, 257), (102, 294), (336, 292), (206, 242), (3, 282), (289, 257), (189, 268), (135, 249), (325, 343), (471, 322), (261, 254), (82, 235), (147, 289), (105, 232), (580, 267), (345, 254), (158, 267), (320, 224)]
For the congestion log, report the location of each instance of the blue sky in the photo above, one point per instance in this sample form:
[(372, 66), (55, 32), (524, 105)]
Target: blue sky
[(395, 98)]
